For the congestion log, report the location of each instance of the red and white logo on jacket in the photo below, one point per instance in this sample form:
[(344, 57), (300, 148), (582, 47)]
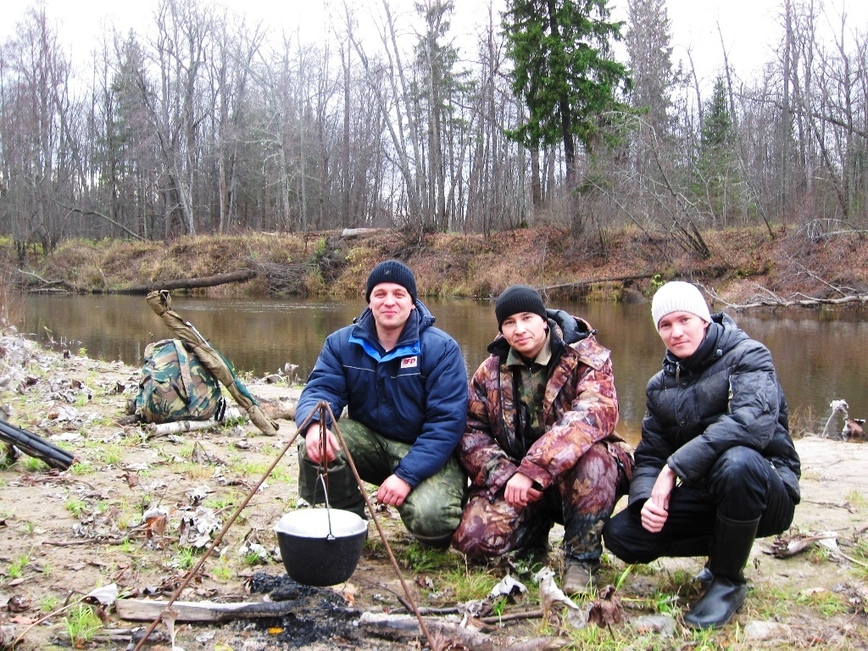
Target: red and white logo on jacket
[(410, 362)]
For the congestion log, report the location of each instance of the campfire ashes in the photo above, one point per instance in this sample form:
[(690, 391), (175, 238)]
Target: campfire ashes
[(321, 614)]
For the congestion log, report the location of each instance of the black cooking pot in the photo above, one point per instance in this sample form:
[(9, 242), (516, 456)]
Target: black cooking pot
[(321, 546)]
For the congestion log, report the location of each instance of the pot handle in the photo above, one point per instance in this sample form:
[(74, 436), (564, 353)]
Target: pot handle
[(323, 467), (325, 492)]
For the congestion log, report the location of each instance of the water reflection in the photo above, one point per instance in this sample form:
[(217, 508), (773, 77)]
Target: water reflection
[(819, 355)]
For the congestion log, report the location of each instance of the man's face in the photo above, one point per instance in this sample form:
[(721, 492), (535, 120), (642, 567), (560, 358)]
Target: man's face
[(391, 304), (682, 332), (525, 332)]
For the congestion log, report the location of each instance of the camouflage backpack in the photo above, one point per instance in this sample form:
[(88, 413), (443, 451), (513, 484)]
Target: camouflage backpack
[(175, 386)]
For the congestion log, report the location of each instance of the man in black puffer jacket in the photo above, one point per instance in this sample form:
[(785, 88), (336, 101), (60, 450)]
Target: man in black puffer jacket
[(715, 425)]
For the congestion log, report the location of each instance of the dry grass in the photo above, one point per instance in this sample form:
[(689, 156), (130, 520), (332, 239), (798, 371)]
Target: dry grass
[(744, 262)]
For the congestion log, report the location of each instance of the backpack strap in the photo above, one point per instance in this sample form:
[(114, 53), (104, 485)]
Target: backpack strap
[(184, 368)]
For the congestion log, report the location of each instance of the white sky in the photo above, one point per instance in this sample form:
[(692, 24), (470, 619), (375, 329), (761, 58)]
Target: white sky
[(749, 27)]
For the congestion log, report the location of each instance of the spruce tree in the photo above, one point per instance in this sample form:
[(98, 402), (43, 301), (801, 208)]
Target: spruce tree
[(565, 73)]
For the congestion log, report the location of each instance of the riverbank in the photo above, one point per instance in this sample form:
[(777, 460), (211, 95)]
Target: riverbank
[(745, 264), (137, 512)]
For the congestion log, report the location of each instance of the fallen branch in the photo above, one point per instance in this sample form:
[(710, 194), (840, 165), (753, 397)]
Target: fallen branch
[(777, 301), (593, 281), (117, 635), (846, 505), (189, 283), (273, 408), (512, 617), (406, 627), (117, 540), (141, 610), (41, 284), (181, 426)]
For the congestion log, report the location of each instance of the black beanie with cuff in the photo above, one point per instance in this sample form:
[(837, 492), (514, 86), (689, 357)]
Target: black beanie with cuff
[(516, 299)]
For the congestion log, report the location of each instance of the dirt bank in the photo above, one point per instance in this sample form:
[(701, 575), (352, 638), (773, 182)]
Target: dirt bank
[(745, 264)]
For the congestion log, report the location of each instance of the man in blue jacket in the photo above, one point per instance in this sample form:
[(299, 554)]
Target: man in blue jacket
[(404, 383)]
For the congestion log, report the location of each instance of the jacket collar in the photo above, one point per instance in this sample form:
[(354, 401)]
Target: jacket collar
[(365, 333), (722, 334)]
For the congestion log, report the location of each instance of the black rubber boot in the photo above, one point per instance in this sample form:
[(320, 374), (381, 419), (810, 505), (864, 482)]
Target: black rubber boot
[(704, 577), (730, 551)]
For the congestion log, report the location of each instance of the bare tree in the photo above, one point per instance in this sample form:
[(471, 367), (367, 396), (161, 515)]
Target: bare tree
[(40, 153), (231, 62)]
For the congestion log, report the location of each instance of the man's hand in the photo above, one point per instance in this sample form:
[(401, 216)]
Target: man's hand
[(655, 511), (314, 446), (519, 491), (393, 491)]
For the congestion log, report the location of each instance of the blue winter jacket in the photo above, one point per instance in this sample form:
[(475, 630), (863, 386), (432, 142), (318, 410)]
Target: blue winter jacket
[(417, 392)]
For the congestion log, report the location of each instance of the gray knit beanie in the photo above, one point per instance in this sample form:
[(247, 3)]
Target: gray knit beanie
[(518, 298), (391, 271), (678, 296)]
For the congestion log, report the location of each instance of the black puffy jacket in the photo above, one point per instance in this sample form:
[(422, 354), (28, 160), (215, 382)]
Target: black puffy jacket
[(726, 394)]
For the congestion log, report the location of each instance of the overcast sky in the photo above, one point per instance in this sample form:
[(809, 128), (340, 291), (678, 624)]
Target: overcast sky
[(750, 28)]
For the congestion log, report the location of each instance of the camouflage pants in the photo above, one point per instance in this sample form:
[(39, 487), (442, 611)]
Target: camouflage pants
[(582, 499), (431, 511)]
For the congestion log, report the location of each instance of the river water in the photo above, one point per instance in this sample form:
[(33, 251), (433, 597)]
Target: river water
[(819, 355)]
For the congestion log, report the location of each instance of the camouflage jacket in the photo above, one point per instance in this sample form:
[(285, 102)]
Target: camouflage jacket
[(580, 409)]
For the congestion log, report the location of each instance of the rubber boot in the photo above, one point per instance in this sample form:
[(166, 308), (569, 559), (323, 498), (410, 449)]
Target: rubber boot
[(730, 550), (704, 577)]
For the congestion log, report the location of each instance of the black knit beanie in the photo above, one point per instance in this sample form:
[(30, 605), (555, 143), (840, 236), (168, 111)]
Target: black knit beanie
[(391, 271), (518, 298)]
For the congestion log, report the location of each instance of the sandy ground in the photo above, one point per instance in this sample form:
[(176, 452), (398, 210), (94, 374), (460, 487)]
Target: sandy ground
[(64, 534)]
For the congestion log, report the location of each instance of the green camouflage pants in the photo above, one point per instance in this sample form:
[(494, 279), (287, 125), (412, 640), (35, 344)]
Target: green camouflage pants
[(431, 511), (581, 499)]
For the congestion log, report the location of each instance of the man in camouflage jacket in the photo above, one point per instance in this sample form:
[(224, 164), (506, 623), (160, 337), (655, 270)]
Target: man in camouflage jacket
[(540, 444)]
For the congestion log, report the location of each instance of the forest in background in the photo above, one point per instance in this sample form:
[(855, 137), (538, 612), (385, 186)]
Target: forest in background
[(202, 123)]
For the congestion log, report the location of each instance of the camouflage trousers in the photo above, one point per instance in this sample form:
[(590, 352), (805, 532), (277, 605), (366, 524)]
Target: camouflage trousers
[(431, 511), (581, 499)]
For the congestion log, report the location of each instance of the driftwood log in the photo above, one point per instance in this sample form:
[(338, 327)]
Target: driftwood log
[(35, 284), (190, 283), (773, 300), (143, 610), (594, 281)]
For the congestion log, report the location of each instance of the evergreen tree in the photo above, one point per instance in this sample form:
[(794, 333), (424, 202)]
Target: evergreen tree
[(649, 48), (565, 74), (717, 126), (717, 170)]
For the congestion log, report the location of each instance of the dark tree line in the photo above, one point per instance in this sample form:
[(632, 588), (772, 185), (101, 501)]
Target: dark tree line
[(202, 122)]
